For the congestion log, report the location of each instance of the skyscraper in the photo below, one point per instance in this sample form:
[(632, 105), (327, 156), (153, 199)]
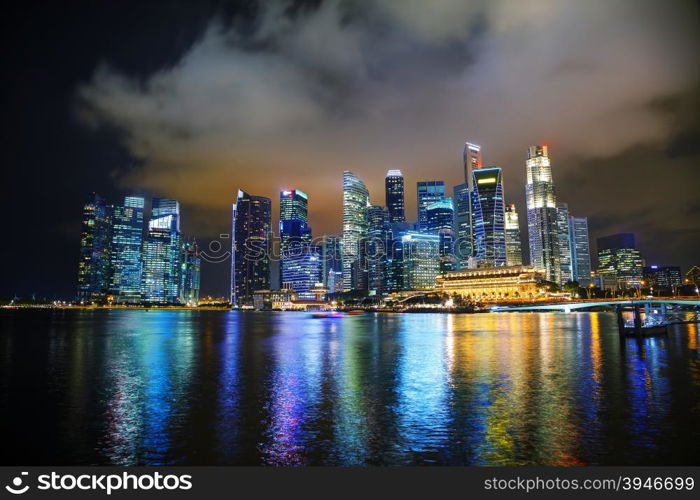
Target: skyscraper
[(294, 229), (395, 196), (514, 250), (303, 270), (127, 245), (377, 234), (95, 242), (565, 266), (618, 258), (472, 161), (190, 273), (160, 280), (462, 225), (580, 250), (488, 217), (542, 214), (355, 203), (332, 263), (250, 248), (427, 192), (421, 260), (440, 220)]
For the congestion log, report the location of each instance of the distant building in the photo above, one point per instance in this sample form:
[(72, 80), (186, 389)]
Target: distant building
[(294, 229), (332, 263), (463, 247), (440, 216), (251, 246), (542, 214), (355, 203), (565, 266), (303, 270), (394, 189), (266, 300), (375, 245), (428, 192), (127, 246), (190, 273), (580, 250), (488, 217), (514, 249), (492, 284), (394, 266), (95, 243), (662, 277), (160, 280), (618, 258), (421, 262)]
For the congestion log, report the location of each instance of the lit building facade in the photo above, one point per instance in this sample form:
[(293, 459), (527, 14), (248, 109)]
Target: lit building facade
[(332, 263), (95, 243), (394, 266), (355, 225), (514, 249), (618, 258), (421, 260), (463, 248), (542, 214), (663, 277), (251, 246), (294, 229), (127, 247), (565, 267), (394, 189), (377, 234), (580, 250), (160, 279), (428, 192), (492, 284), (303, 270), (488, 217), (440, 215), (190, 273)]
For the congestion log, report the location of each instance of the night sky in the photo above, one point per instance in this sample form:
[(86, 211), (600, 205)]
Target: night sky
[(193, 101)]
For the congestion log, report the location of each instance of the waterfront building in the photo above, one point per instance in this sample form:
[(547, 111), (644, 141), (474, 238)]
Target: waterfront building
[(440, 216), (303, 270), (580, 250), (463, 247), (488, 217), (514, 249), (542, 213), (355, 203), (618, 258), (160, 280), (190, 273), (394, 191), (377, 235), (274, 300), (394, 268), (421, 260), (662, 277), (294, 229), (250, 247), (493, 284), (565, 267), (332, 263), (427, 192), (126, 254), (95, 242)]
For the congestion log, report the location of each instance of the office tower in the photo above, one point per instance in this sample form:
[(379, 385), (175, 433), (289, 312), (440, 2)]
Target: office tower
[(95, 240), (394, 196), (355, 203), (514, 249), (421, 260), (250, 248), (565, 266), (332, 263), (580, 250), (190, 273), (294, 229), (394, 269), (440, 221), (303, 270), (472, 161), (160, 279), (663, 277), (127, 245), (542, 213), (463, 247), (619, 259), (488, 217), (428, 192), (378, 230)]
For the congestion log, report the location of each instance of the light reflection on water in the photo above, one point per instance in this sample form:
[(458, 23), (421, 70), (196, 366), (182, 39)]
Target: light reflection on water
[(209, 387)]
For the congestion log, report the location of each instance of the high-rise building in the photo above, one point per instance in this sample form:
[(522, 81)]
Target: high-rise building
[(488, 217), (395, 196), (127, 246), (160, 279), (463, 248), (440, 215), (514, 248), (542, 214), (190, 273), (95, 242), (421, 260), (294, 229), (377, 233), (355, 203), (618, 258), (472, 161), (250, 248), (565, 266), (663, 277), (428, 192), (580, 250), (332, 263), (394, 267), (303, 270)]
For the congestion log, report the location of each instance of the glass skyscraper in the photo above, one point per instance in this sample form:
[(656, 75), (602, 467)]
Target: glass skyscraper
[(565, 265), (332, 263), (250, 247), (377, 234), (427, 192), (95, 243), (127, 247), (355, 225), (421, 260), (580, 250), (462, 225), (294, 229), (160, 280), (303, 270), (488, 217), (514, 250), (394, 187), (190, 273), (618, 257), (542, 214)]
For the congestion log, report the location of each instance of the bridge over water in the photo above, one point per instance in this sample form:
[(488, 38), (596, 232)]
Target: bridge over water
[(573, 305)]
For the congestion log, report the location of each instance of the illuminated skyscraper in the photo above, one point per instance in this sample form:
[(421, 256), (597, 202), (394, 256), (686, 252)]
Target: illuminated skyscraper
[(127, 245), (440, 215), (462, 225), (250, 248), (427, 192), (377, 235), (394, 267), (488, 217), (472, 161), (580, 250), (332, 263), (618, 258), (542, 214), (190, 273), (303, 270), (160, 280), (421, 260), (395, 196), (565, 266), (355, 225), (514, 250), (95, 241), (294, 229)]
